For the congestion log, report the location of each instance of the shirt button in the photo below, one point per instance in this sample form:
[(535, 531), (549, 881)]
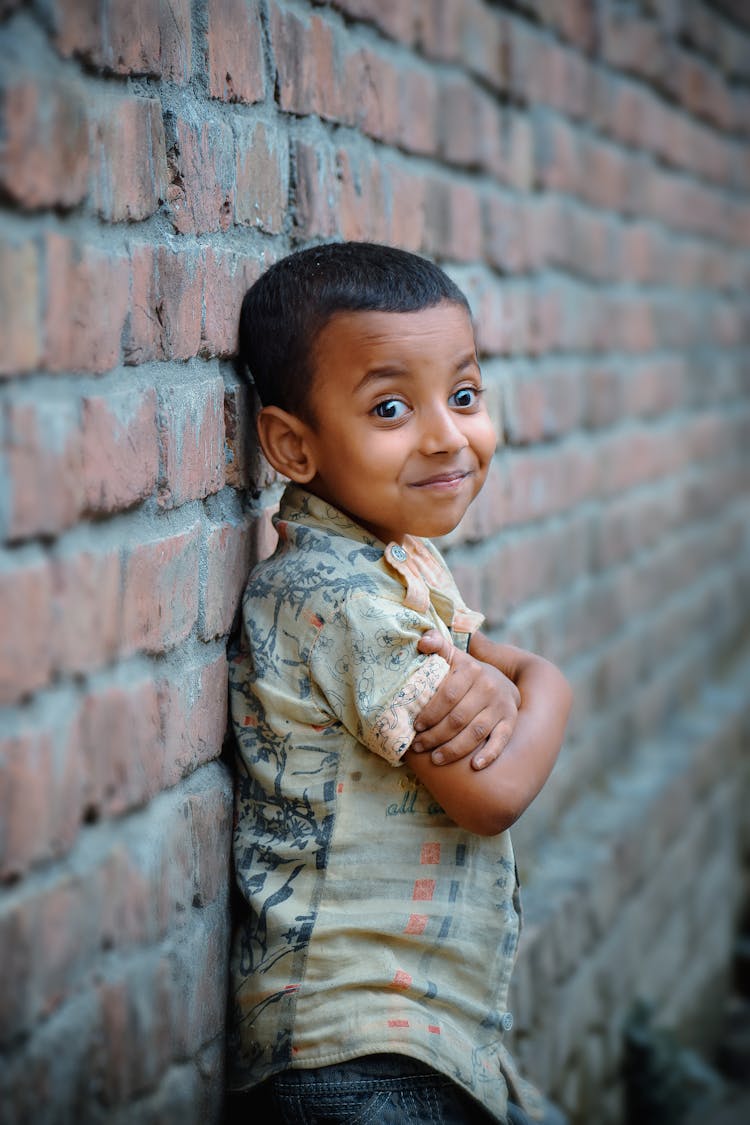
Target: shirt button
[(398, 553), (507, 1021)]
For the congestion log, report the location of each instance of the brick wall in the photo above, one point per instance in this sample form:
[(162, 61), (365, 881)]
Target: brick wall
[(583, 169)]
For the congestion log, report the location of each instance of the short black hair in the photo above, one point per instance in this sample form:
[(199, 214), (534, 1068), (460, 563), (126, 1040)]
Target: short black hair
[(288, 306)]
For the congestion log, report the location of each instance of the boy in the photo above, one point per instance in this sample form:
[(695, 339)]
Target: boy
[(370, 966)]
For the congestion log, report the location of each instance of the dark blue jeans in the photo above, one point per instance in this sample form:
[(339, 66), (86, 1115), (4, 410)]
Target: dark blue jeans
[(374, 1090)]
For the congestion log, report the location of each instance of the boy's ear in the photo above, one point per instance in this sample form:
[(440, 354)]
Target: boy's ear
[(285, 441)]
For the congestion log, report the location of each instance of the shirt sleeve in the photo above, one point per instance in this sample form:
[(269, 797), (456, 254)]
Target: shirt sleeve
[(366, 664)]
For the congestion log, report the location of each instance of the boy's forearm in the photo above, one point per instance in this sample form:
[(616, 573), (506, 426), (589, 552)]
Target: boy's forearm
[(546, 699), (491, 800)]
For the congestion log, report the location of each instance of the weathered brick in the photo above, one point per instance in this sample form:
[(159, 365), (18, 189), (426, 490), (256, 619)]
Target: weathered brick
[(362, 206), (228, 565), (128, 36), (165, 304), (160, 603), (418, 106), (396, 19), (20, 299), (136, 1017), (193, 707), (26, 801), (246, 465), (87, 294), (191, 441), (306, 63), (262, 176), (228, 276), (120, 732), (43, 140), (43, 461), (315, 210), (201, 194), (129, 165), (406, 193), (17, 932), (26, 613), (86, 610), (235, 51), (211, 822), (371, 97), (119, 449)]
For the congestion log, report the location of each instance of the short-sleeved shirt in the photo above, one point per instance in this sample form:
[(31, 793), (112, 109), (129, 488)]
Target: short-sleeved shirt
[(374, 923)]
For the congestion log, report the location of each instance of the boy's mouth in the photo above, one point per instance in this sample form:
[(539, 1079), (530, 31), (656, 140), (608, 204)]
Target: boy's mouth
[(442, 480)]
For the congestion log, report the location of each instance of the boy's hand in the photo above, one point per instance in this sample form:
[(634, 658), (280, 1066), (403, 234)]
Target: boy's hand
[(473, 711)]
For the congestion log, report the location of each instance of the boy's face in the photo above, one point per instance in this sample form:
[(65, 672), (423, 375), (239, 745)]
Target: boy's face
[(402, 440)]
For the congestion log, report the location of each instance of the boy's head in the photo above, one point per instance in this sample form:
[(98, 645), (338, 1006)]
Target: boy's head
[(286, 309), (366, 366)]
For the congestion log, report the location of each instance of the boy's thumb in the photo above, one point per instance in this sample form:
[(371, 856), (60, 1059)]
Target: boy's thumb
[(433, 641)]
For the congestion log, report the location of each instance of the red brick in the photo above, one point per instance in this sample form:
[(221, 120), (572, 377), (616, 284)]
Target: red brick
[(558, 157), (161, 592), (21, 305), (201, 194), (17, 967), (482, 42), (87, 295), (262, 176), (64, 943), (228, 275), (211, 824), (467, 116), (129, 166), (228, 565), (362, 206), (136, 1017), (505, 233), (246, 465), (25, 801), (191, 441), (371, 95), (40, 799), (396, 19), (573, 19), (439, 30), (26, 614), (517, 167), (119, 449), (43, 462), (120, 731), (43, 141), (193, 707), (406, 192), (235, 51), (165, 304), (315, 211), (418, 105), (128, 36), (453, 222), (631, 43), (306, 64), (86, 610)]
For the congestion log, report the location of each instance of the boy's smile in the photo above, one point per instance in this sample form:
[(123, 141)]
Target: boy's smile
[(401, 440)]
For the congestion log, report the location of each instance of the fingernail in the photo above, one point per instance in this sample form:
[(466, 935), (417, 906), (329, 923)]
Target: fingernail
[(438, 758), (480, 763), (418, 727)]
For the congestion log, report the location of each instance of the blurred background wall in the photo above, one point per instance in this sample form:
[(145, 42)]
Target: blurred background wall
[(583, 170)]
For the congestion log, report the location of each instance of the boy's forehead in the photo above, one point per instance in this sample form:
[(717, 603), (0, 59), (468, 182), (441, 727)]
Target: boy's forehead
[(375, 327)]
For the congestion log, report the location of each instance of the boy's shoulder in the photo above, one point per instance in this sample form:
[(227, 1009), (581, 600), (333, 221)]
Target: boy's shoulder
[(319, 558)]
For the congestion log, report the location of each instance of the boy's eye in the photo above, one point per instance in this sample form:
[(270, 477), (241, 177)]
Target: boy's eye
[(391, 408), (465, 396)]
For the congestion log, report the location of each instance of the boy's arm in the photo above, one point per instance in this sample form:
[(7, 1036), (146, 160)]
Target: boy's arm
[(474, 710), (490, 800)]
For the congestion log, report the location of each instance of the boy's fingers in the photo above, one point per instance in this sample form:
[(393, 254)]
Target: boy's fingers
[(494, 745), (434, 642), (445, 703), (471, 737)]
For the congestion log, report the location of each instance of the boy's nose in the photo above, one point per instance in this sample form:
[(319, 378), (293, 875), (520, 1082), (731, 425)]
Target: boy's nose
[(441, 433)]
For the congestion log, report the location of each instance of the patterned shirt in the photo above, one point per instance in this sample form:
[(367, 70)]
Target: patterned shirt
[(374, 923)]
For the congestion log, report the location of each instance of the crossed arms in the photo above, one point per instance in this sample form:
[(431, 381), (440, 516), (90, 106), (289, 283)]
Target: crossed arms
[(494, 729)]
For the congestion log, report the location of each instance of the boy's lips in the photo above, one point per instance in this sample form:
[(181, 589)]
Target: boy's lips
[(444, 479)]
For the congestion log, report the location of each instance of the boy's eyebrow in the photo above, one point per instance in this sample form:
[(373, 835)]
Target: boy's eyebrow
[(389, 370)]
